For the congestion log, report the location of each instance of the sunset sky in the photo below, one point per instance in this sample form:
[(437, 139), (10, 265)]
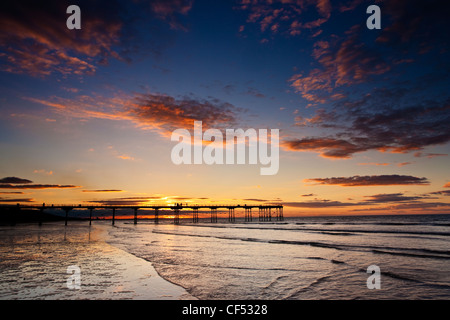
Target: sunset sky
[(86, 115)]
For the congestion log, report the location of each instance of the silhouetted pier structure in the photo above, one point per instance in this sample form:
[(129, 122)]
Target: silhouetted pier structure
[(265, 212)]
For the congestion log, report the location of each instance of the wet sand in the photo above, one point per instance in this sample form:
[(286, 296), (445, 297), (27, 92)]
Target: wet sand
[(34, 262)]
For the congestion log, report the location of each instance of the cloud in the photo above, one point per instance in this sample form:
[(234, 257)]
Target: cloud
[(261, 200), (166, 113), (18, 192), (378, 122), (285, 16), (15, 180), (402, 164), (126, 201), (254, 92), (328, 147), (17, 200), (337, 68), (36, 186), (391, 197), (308, 195), (42, 171), (103, 190), (119, 202), (19, 183), (125, 157), (373, 164), (441, 193), (171, 10), (319, 204), (428, 207), (429, 155), (375, 180), (153, 111), (34, 39), (321, 117), (447, 185), (354, 57)]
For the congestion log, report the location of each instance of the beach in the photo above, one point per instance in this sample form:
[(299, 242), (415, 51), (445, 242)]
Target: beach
[(304, 258), (34, 262)]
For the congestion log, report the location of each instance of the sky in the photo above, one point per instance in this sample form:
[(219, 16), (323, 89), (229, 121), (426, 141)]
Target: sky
[(86, 116)]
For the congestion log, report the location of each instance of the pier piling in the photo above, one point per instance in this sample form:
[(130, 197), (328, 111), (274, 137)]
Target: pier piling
[(135, 215)]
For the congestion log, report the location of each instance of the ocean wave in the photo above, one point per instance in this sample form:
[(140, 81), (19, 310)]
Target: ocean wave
[(412, 252), (412, 255), (336, 231)]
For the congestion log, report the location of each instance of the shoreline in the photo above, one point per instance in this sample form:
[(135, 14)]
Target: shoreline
[(36, 258), (184, 296)]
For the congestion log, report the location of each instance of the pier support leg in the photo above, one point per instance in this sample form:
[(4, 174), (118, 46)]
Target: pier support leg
[(176, 218), (156, 215), (90, 216), (41, 215), (213, 215), (135, 215), (114, 216), (231, 216), (67, 215), (248, 214), (195, 215)]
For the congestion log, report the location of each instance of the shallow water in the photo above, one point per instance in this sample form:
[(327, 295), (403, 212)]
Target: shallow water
[(302, 258), (34, 262)]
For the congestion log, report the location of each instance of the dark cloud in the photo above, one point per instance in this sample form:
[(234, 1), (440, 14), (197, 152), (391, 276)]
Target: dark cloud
[(171, 11), (286, 17), (104, 190), (261, 200), (34, 38), (15, 180), (429, 207), (319, 204), (167, 113), (385, 90), (18, 192), (158, 112), (375, 180), (337, 68), (410, 29), (118, 202), (125, 201), (391, 197), (441, 193), (18, 200), (328, 147), (308, 195), (376, 122), (429, 155), (255, 93), (37, 186), (421, 205)]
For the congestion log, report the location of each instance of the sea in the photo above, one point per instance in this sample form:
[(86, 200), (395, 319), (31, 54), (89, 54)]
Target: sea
[(402, 257)]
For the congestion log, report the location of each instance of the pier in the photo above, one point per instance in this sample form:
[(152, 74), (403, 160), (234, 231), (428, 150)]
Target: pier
[(265, 212)]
